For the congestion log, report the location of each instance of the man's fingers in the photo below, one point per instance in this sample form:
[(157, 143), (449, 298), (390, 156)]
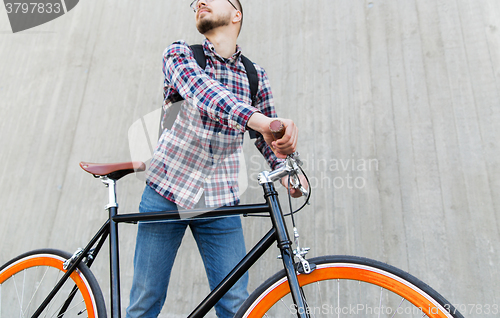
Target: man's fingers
[(288, 143)]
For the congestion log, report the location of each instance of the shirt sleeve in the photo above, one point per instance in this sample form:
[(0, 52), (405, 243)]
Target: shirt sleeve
[(183, 74), (265, 104)]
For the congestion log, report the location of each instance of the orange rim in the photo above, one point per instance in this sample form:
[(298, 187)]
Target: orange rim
[(58, 264), (358, 274)]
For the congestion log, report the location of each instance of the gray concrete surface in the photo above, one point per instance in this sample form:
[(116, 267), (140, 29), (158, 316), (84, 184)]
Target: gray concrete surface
[(397, 103)]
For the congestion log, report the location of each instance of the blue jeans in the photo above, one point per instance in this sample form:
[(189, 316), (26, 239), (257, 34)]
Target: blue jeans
[(221, 245)]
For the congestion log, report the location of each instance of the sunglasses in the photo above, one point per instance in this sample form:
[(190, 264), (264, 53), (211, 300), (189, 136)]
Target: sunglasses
[(194, 4)]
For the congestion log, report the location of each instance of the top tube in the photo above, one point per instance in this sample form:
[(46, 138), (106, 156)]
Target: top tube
[(192, 214)]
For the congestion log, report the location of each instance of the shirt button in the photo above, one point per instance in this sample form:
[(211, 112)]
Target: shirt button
[(238, 126)]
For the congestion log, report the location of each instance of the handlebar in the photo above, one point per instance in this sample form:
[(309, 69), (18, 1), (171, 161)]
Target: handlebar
[(291, 165), (277, 128)]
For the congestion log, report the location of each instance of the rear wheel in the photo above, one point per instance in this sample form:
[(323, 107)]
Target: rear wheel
[(26, 280), (348, 286)]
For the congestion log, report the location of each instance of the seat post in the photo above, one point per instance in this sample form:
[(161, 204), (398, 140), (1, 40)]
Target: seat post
[(114, 262), (111, 185)]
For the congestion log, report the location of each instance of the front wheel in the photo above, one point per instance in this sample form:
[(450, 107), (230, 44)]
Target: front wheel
[(26, 280), (349, 286)]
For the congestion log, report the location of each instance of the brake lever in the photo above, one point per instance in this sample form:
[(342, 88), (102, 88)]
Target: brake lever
[(295, 162), (304, 191)]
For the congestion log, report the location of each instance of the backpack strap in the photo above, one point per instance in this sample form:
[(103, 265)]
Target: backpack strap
[(253, 78), (199, 55)]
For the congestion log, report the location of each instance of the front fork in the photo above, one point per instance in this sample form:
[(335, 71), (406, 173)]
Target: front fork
[(285, 246)]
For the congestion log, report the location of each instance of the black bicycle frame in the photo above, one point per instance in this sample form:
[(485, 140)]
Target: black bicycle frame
[(278, 233)]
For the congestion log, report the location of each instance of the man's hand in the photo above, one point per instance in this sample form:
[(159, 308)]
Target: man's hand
[(295, 193), (282, 147)]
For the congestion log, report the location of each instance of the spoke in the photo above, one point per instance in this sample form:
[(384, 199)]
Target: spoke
[(39, 284), (359, 292), (73, 292), (69, 309), (22, 294), (81, 312), (311, 312), (338, 297), (17, 294), (284, 304), (54, 300), (380, 303), (319, 293), (402, 300)]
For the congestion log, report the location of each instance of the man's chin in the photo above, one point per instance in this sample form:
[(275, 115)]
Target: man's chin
[(204, 27), (207, 23), (202, 31)]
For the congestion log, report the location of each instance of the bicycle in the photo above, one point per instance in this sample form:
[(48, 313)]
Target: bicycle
[(59, 284)]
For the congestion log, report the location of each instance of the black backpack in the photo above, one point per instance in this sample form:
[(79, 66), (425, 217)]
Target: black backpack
[(199, 55)]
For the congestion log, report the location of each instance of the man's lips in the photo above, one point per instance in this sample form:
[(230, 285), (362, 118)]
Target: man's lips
[(200, 11)]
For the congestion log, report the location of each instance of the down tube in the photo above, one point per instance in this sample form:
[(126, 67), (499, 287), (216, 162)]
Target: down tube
[(285, 246), (238, 271)]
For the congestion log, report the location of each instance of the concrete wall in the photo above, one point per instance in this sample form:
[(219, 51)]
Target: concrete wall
[(397, 104)]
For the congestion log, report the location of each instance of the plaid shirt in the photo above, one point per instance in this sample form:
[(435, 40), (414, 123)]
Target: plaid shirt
[(200, 153)]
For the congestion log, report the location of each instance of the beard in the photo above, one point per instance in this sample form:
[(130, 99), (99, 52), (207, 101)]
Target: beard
[(207, 24)]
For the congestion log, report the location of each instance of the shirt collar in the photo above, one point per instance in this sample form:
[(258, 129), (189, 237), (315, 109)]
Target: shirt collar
[(209, 49)]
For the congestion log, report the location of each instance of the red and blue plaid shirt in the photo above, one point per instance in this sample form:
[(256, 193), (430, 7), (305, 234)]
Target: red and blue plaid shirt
[(200, 153)]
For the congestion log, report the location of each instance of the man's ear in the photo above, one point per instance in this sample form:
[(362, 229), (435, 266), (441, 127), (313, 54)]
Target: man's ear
[(237, 17)]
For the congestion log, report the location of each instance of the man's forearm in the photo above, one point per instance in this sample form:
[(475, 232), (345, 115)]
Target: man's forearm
[(259, 122)]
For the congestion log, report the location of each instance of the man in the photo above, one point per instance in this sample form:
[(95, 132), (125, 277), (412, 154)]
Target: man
[(196, 162)]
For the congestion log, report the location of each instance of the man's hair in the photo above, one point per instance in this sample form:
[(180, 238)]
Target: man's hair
[(237, 3)]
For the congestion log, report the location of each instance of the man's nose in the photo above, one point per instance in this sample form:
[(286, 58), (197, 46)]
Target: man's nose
[(200, 3)]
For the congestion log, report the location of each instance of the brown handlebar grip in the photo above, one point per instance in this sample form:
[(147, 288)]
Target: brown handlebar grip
[(277, 128)]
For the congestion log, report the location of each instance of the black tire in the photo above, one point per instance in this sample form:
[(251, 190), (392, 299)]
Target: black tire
[(26, 280), (349, 286)]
